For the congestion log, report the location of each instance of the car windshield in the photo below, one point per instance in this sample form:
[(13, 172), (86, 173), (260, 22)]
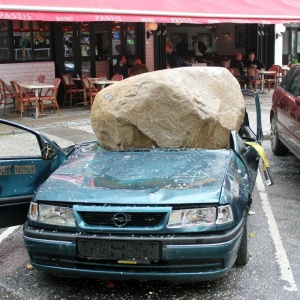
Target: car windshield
[(147, 168)]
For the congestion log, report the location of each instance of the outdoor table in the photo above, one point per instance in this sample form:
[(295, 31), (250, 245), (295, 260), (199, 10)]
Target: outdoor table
[(100, 80), (36, 87), (103, 82), (263, 73)]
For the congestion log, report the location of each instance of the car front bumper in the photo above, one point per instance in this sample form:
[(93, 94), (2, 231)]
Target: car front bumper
[(200, 257)]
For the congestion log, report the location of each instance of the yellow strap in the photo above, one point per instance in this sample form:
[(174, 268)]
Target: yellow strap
[(261, 151)]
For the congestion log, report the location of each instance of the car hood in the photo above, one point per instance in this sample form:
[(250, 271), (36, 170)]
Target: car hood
[(139, 177)]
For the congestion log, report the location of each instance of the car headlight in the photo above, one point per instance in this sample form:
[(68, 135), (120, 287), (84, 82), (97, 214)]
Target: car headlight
[(200, 217), (224, 214), (51, 214)]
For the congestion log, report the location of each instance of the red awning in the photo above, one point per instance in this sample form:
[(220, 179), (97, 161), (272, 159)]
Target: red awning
[(160, 11)]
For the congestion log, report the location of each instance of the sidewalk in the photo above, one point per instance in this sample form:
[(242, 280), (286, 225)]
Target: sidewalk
[(75, 116), (69, 116)]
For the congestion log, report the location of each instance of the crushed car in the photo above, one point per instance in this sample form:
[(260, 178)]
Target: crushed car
[(146, 214)]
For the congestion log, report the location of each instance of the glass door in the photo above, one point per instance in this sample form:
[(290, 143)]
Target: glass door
[(123, 41), (76, 45)]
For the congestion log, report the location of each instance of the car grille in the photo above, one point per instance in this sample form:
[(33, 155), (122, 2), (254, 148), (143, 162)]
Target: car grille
[(133, 219)]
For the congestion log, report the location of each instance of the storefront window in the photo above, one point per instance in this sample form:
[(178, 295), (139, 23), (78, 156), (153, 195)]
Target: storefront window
[(5, 53), (131, 39), (86, 68), (22, 40), (31, 40), (85, 40), (70, 67), (68, 40), (41, 38), (116, 40), (101, 40)]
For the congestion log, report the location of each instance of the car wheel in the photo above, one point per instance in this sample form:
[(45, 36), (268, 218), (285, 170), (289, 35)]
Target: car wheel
[(277, 146), (243, 253)]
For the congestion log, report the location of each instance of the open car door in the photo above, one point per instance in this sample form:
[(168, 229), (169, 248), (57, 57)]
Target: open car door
[(27, 158)]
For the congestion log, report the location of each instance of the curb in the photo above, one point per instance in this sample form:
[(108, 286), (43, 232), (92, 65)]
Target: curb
[(64, 124)]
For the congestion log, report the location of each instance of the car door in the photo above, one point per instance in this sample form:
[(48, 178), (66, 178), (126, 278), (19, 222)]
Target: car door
[(288, 113), (27, 158)]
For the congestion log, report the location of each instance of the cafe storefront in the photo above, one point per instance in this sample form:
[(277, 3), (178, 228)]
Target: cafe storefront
[(85, 38), (77, 48)]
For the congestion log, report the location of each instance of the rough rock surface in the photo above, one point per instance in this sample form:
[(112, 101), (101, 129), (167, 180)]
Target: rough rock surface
[(193, 107)]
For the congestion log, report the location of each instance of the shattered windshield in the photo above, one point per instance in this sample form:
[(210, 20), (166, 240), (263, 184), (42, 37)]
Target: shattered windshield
[(149, 168)]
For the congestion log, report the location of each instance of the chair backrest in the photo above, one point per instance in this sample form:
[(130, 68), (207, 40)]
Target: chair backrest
[(41, 79), (21, 93), (4, 90), (275, 69), (87, 83), (280, 70), (56, 82), (67, 80), (234, 71), (117, 77), (253, 73)]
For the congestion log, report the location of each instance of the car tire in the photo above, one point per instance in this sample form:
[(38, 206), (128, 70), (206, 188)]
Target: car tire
[(243, 253), (278, 148)]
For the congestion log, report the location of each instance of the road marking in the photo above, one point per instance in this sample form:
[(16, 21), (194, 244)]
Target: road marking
[(281, 257), (7, 232)]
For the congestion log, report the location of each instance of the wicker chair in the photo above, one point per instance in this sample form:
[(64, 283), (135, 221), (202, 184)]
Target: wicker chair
[(24, 101), (236, 73), (50, 97), (272, 78), (254, 78), (117, 77), (70, 88), (7, 96), (40, 79), (90, 91), (280, 74)]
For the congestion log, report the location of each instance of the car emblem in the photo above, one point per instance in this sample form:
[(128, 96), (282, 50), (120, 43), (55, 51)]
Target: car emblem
[(120, 219)]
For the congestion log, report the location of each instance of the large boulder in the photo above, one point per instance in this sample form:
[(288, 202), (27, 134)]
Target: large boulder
[(193, 107)]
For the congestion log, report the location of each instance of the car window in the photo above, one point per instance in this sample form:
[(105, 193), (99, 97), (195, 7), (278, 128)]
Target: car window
[(15, 142), (292, 85), (287, 79)]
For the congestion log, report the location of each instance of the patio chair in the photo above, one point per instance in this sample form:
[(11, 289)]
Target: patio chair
[(70, 88), (90, 91), (253, 78), (117, 77), (236, 73), (272, 78), (24, 101), (40, 79), (280, 74), (50, 96), (6, 95)]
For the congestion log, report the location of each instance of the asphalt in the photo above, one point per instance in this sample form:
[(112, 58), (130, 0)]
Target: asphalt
[(76, 116)]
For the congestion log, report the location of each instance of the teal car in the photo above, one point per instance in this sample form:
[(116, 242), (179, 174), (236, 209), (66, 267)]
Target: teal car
[(147, 214), (24, 169)]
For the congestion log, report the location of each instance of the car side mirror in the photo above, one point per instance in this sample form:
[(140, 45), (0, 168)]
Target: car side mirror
[(49, 152), (298, 101)]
